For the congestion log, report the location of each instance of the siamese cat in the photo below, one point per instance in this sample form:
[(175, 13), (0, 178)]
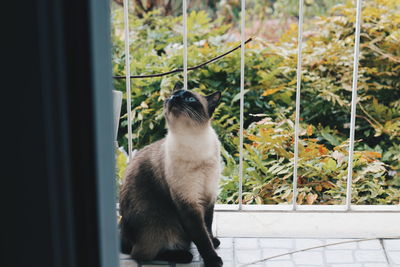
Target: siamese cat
[(167, 200)]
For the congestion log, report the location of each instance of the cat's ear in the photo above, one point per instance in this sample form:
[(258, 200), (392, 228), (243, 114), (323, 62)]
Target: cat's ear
[(213, 101), (178, 86)]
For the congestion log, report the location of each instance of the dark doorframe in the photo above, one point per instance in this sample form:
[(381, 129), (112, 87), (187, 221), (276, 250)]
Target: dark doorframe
[(101, 62), (57, 186)]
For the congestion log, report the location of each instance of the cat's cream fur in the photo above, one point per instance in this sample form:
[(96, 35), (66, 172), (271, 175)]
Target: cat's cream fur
[(192, 163)]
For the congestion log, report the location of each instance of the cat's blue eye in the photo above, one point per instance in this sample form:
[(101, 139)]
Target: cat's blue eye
[(190, 99)]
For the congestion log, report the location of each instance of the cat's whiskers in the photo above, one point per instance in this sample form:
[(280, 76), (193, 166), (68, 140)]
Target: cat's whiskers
[(191, 111)]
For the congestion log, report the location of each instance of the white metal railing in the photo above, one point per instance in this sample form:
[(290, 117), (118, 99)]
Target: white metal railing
[(287, 207), (353, 105), (128, 77), (297, 115), (241, 119), (185, 52)]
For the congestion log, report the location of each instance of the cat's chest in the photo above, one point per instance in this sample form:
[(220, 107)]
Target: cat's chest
[(193, 174)]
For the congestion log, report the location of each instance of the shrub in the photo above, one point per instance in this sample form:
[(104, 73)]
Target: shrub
[(270, 84)]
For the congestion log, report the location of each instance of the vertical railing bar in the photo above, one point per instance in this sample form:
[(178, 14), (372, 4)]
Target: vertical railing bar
[(127, 77), (353, 104), (185, 55), (297, 113), (242, 37)]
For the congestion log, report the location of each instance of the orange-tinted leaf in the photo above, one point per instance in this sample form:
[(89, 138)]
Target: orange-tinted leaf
[(300, 197), (328, 185), (372, 154), (273, 90), (311, 198), (323, 150), (252, 137)]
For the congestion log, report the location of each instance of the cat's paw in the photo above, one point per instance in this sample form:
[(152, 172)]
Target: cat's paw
[(213, 262), (216, 242)]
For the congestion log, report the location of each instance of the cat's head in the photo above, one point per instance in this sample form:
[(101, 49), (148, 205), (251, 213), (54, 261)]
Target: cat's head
[(185, 108)]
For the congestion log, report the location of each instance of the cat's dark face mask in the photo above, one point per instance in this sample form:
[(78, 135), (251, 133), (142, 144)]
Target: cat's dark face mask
[(190, 105)]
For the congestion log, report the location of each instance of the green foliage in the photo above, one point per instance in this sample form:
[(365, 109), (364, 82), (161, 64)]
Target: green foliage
[(322, 172), (121, 161), (270, 82), (155, 47)]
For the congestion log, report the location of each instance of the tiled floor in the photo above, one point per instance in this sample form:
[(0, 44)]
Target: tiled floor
[(237, 252)]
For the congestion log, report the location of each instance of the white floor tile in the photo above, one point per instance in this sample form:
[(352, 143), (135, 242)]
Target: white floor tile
[(276, 242), (394, 257), (352, 245), (303, 243), (370, 244), (226, 242), (226, 254), (279, 264), (392, 244), (269, 252), (247, 256), (311, 258), (238, 251), (246, 243), (339, 256), (347, 265), (370, 256)]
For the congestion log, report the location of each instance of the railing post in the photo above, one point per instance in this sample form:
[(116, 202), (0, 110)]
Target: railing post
[(353, 104), (185, 55), (297, 113), (127, 77), (242, 49)]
